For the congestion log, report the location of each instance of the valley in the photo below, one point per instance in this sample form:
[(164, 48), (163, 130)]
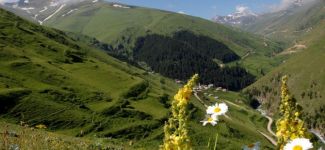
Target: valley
[(79, 91), (128, 25), (103, 75)]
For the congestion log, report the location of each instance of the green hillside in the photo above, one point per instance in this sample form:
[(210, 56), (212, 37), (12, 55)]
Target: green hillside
[(48, 78), (289, 25), (306, 80), (122, 27)]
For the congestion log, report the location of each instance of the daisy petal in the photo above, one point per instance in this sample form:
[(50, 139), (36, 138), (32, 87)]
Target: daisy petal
[(210, 110), (302, 143)]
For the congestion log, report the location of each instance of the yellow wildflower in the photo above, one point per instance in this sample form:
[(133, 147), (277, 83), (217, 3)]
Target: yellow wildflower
[(289, 126), (176, 134)]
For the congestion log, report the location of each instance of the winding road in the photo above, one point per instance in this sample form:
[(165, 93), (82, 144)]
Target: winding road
[(269, 125)]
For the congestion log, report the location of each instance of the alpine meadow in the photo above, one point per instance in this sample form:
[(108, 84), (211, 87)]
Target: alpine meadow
[(144, 75)]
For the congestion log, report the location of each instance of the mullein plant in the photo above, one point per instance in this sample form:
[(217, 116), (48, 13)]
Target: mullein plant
[(289, 127), (176, 133)]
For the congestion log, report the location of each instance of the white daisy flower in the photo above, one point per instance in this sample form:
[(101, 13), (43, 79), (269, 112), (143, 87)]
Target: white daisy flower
[(298, 144), (211, 120), (217, 110)]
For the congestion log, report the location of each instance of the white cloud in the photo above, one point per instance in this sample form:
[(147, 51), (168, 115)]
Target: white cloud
[(285, 4), (241, 8), (244, 10)]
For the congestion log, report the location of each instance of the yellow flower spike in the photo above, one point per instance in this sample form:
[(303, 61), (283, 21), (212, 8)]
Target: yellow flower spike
[(176, 134), (289, 126)]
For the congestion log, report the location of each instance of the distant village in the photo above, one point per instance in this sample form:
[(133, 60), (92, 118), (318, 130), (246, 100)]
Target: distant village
[(202, 88)]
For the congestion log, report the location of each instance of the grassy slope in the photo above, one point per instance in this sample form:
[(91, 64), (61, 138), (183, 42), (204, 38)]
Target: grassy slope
[(41, 83), (306, 75), (289, 25), (25, 137), (119, 26), (63, 95)]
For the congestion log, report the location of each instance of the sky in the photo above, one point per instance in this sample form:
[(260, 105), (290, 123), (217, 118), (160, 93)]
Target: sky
[(209, 8)]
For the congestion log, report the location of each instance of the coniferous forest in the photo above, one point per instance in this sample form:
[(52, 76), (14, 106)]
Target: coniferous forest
[(185, 54)]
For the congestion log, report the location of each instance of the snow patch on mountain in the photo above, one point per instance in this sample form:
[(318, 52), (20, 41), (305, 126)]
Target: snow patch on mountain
[(120, 6), (69, 12), (181, 12), (50, 16), (242, 15), (44, 9), (27, 8)]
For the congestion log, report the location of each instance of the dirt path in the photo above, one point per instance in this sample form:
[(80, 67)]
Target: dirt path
[(269, 125), (294, 49)]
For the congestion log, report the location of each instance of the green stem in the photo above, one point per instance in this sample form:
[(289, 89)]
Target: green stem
[(215, 142), (209, 143)]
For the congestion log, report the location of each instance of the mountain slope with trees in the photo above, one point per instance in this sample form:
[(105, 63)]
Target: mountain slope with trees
[(185, 53), (121, 27), (306, 80), (49, 78)]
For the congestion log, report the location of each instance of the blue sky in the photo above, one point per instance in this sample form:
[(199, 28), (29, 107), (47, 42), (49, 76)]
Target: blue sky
[(205, 8)]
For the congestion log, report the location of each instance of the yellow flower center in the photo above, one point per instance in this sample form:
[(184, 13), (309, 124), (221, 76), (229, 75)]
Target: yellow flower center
[(210, 119), (297, 147), (217, 109)]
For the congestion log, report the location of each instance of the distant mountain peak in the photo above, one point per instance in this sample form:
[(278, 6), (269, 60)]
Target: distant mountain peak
[(243, 15)]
